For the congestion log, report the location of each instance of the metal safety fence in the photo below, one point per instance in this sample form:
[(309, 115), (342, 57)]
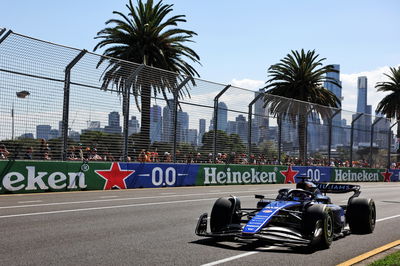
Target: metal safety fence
[(62, 103)]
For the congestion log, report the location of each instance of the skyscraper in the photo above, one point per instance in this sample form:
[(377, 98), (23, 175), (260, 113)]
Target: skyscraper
[(363, 124), (261, 121), (362, 94), (168, 121), (202, 129), (43, 131), (337, 130), (133, 126), (222, 117), (155, 123), (113, 123)]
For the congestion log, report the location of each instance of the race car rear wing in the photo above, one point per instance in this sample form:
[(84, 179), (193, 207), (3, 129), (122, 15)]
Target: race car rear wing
[(338, 188)]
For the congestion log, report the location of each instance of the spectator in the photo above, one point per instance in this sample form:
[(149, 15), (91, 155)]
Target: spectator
[(28, 153), (71, 156), (46, 155), (3, 152), (142, 156), (44, 148), (94, 156)]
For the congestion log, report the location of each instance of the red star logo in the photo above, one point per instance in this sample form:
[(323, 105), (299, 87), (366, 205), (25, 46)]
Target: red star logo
[(386, 175), (115, 177), (289, 175)]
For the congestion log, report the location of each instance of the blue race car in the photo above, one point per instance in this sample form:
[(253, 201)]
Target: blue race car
[(301, 217)]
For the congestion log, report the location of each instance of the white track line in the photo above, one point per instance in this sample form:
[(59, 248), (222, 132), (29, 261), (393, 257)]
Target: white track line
[(30, 201), (120, 199), (255, 252), (102, 208), (230, 258)]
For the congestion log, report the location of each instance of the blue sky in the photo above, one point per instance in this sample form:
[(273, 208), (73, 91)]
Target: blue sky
[(238, 40)]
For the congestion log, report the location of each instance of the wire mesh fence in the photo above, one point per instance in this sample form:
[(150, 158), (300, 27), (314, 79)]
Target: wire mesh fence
[(61, 103)]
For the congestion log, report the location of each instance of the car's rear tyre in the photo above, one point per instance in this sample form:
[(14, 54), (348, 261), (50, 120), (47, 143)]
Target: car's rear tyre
[(361, 215), (225, 214), (319, 225)]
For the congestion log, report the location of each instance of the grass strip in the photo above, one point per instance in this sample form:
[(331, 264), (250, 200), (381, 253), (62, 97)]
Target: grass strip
[(390, 260)]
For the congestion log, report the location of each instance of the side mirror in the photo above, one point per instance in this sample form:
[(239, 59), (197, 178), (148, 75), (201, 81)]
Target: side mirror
[(257, 196)]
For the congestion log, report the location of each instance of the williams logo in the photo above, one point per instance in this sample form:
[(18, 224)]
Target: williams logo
[(15, 181), (211, 176)]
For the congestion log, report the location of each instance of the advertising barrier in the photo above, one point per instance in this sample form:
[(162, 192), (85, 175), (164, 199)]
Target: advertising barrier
[(40, 176)]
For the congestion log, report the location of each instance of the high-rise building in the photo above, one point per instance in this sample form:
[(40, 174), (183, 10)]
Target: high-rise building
[(53, 134), (192, 136), (363, 124), (337, 130), (43, 131), (362, 94), (241, 127), (261, 121), (155, 123), (113, 124), (168, 122), (133, 126), (222, 117), (202, 129)]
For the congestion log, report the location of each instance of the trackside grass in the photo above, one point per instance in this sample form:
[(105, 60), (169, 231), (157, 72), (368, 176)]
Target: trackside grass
[(390, 260)]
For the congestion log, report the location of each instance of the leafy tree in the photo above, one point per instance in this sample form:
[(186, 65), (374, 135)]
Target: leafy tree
[(300, 76), (390, 104), (147, 35), (225, 143)]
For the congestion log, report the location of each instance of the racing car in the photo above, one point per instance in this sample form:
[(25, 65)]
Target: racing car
[(300, 217)]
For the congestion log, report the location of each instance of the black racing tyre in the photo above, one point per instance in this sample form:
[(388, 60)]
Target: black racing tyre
[(361, 215), (318, 225), (223, 215)]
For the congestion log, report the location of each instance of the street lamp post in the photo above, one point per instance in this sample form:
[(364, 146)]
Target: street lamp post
[(22, 95)]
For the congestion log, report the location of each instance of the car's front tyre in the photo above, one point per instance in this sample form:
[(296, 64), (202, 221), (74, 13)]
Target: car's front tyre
[(319, 225)]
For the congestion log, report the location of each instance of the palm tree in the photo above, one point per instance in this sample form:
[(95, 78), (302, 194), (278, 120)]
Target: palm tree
[(390, 104), (148, 36), (300, 77)]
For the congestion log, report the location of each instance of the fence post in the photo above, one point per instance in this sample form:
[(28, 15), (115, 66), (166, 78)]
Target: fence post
[(125, 109), (390, 143), (352, 138), (215, 120), (330, 134), (372, 137), (249, 125), (176, 96), (67, 83), (279, 118)]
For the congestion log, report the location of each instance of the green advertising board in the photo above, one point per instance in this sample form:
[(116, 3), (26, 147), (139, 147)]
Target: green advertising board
[(357, 175), (40, 176), (217, 174)]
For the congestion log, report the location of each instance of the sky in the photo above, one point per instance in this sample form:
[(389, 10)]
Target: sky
[(238, 40)]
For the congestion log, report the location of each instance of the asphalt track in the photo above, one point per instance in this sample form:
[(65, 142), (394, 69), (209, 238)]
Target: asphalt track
[(156, 226)]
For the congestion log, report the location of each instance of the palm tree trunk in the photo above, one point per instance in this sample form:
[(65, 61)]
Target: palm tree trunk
[(301, 128), (145, 118)]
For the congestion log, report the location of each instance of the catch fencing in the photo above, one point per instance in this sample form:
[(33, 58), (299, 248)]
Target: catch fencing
[(62, 103)]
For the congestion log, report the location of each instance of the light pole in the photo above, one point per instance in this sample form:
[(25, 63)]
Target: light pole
[(22, 95)]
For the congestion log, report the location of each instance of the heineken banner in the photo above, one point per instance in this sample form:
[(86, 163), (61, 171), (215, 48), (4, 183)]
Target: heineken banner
[(41, 176)]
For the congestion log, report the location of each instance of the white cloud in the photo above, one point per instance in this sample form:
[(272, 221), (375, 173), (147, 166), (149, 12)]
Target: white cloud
[(250, 84)]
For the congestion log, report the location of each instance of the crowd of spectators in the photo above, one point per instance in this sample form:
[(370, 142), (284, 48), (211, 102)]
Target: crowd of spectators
[(80, 153)]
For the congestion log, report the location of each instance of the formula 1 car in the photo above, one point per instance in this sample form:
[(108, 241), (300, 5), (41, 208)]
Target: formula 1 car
[(301, 217)]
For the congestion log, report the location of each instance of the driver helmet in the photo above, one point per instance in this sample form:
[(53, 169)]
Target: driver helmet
[(308, 186)]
